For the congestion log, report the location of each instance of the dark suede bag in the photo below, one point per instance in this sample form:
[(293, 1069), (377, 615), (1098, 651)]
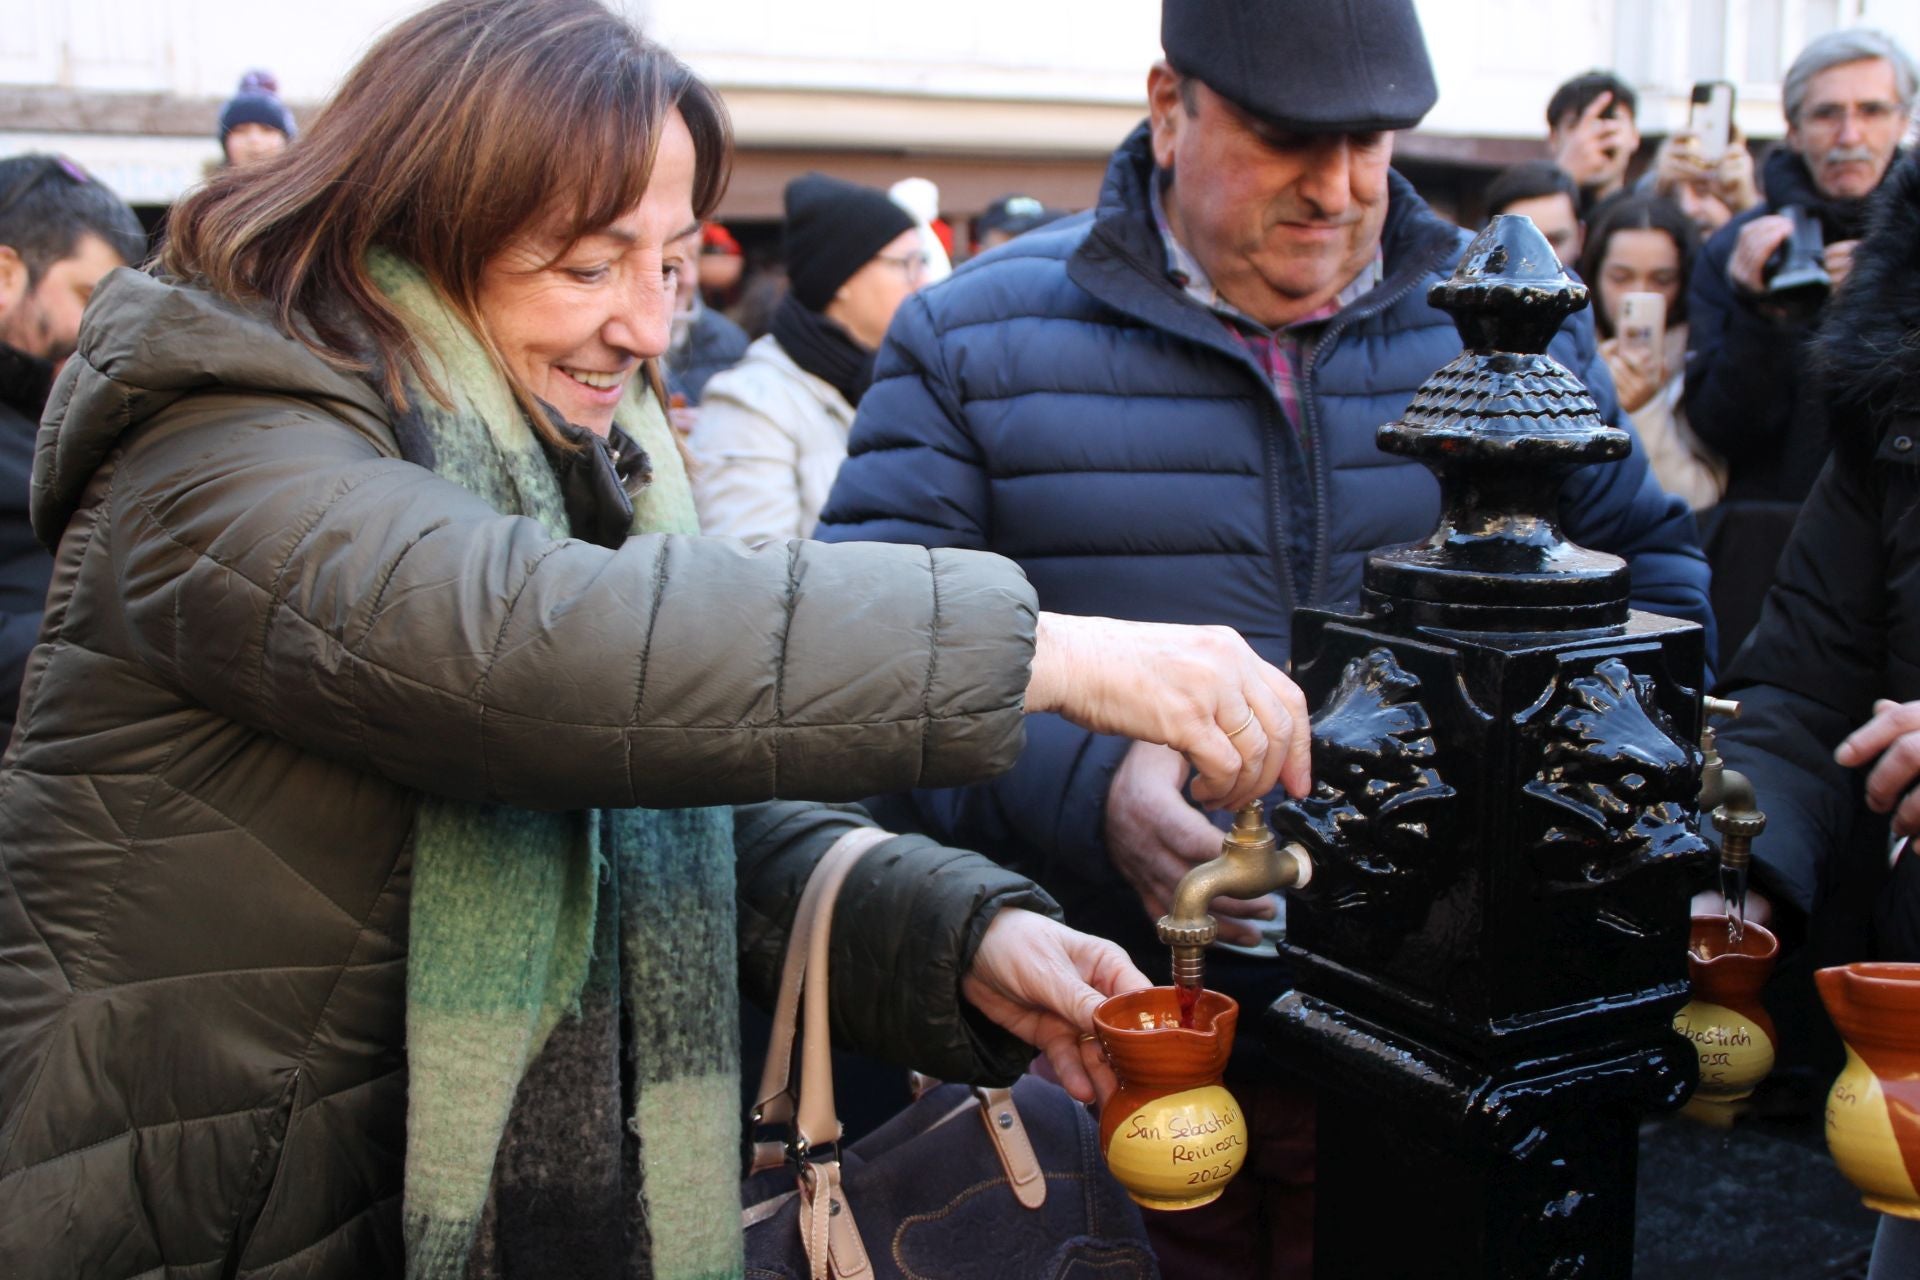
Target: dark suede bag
[(963, 1184)]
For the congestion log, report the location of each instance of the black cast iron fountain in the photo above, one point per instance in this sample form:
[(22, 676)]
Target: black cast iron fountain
[(1493, 942)]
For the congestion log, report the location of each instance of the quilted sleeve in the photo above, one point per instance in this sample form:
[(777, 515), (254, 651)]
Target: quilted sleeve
[(278, 570)]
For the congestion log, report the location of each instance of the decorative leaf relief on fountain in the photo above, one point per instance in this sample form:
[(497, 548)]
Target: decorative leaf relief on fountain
[(1619, 780), (1374, 809)]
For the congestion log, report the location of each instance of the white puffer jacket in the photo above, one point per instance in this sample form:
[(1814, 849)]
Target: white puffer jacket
[(769, 441)]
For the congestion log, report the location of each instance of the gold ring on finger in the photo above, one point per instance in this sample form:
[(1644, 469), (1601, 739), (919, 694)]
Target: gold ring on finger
[(1244, 726), (1088, 1038)]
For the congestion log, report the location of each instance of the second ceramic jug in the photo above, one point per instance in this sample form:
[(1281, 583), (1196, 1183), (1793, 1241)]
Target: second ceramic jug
[(1873, 1110), (1725, 1021)]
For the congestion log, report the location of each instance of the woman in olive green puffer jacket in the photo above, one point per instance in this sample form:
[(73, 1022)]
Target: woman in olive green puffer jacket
[(289, 648), (206, 814)]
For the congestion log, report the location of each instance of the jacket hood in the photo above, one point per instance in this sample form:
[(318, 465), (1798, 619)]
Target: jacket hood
[(1869, 342), (146, 344)]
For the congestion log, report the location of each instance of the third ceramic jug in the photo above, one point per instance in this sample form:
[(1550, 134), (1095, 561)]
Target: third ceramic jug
[(1873, 1110)]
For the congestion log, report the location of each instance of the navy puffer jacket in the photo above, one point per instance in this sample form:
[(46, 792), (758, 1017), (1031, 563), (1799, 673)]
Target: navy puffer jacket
[(1062, 402)]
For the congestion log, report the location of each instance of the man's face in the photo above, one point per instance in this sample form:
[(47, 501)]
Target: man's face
[(1280, 221), (1557, 221), (1848, 127), (1697, 200), (43, 318)]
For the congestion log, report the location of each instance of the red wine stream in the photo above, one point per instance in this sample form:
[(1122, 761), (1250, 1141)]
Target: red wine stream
[(1189, 997)]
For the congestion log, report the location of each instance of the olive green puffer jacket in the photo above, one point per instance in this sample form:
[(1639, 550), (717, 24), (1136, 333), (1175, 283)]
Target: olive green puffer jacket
[(266, 636)]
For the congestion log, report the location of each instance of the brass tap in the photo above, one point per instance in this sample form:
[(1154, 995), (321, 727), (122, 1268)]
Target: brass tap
[(1251, 863), (1712, 767), (1728, 795)]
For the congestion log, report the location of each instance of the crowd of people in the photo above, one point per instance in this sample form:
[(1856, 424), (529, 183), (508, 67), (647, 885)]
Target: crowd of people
[(448, 541)]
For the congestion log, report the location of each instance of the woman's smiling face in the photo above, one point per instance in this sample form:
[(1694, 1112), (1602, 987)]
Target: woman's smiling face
[(574, 321)]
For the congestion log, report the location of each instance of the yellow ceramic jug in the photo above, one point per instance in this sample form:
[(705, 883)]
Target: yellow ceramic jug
[(1873, 1110), (1172, 1135), (1725, 1021)]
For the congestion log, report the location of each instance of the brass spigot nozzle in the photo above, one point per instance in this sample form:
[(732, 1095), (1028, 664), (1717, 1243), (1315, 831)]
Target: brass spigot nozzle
[(1251, 863), (1728, 794)]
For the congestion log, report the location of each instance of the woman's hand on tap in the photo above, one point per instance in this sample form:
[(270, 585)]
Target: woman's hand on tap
[(1200, 690), (1042, 981)]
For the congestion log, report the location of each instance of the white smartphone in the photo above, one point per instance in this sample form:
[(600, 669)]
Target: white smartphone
[(1710, 118), (1643, 324)]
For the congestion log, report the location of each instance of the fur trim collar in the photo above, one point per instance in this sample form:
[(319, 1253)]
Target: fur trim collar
[(1870, 340)]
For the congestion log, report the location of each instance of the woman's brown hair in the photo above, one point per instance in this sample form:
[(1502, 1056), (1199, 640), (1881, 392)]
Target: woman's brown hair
[(457, 132)]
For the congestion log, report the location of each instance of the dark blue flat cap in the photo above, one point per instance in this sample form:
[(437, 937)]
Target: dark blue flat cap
[(1310, 66)]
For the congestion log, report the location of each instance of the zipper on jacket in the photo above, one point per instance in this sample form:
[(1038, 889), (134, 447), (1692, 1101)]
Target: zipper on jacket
[(1310, 414), (1276, 499)]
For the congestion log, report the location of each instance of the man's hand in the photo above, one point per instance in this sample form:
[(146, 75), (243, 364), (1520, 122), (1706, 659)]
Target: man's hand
[(1680, 160), (1042, 981), (1154, 837), (1837, 258), (1733, 178), (1756, 243), (1893, 735), (1591, 150), (1200, 690)]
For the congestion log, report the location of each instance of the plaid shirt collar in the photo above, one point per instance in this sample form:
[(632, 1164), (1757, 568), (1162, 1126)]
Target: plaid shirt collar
[(1185, 270)]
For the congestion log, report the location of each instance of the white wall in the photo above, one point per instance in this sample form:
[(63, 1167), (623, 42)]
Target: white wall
[(1497, 60), (1048, 50), (194, 48)]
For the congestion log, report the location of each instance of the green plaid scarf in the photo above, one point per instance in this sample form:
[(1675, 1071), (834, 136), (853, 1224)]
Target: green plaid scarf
[(504, 903)]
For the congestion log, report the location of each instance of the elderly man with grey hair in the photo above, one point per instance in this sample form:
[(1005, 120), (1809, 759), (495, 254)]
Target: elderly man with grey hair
[(1848, 100)]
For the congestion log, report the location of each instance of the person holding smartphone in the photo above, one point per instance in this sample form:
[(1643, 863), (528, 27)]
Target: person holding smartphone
[(1592, 133), (1751, 393), (1637, 254), (1706, 168)]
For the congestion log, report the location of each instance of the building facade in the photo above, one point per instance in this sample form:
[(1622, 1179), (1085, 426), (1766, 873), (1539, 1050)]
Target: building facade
[(987, 98)]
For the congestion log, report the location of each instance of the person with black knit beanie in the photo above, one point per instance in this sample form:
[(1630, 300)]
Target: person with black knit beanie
[(773, 429), (255, 124)]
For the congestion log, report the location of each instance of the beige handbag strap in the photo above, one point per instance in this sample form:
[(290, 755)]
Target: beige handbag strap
[(1013, 1146), (818, 1123), (828, 1231), (827, 1228), (775, 1099)]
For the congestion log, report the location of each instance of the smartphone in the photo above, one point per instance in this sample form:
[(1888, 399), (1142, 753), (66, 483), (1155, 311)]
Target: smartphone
[(1710, 118), (1643, 326)]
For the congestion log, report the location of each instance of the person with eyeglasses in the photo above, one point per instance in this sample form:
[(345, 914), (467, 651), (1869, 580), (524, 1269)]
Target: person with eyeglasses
[(389, 834), (60, 232), (1751, 394), (772, 430)]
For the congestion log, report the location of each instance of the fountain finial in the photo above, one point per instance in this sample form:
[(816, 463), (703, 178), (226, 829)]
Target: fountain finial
[(1509, 292), (1501, 427)]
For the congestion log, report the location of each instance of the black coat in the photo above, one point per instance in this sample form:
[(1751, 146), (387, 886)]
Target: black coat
[(1748, 393), (1841, 627), (25, 566)]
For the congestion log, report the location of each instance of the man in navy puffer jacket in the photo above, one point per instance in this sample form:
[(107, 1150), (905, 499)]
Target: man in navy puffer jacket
[(1162, 418)]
